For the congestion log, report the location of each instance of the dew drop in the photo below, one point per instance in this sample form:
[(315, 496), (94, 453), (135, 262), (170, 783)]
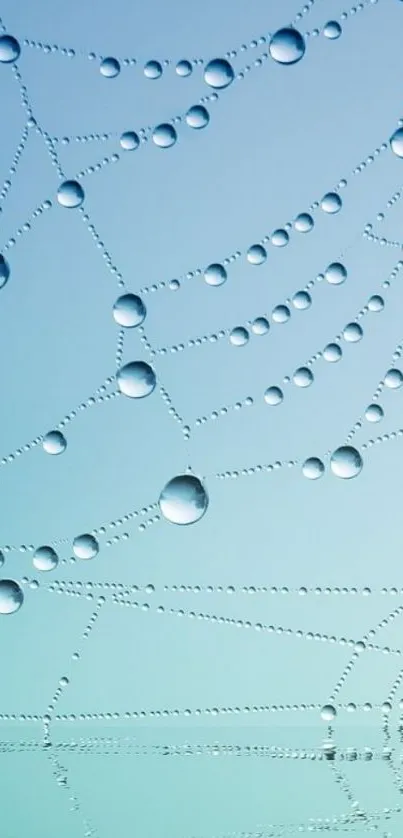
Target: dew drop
[(346, 462), (129, 140), (85, 546), (303, 377), (374, 413), (129, 311), (239, 336), (302, 300), (331, 203), (335, 273), (70, 194), (396, 142), (183, 68), (352, 333), (11, 596), (164, 135), (376, 303), (280, 238), (273, 396), (260, 326), (54, 443), (136, 379), (9, 49), (4, 271), (332, 353), (393, 379), (281, 314), (45, 559), (332, 30), (287, 46), (256, 254), (218, 73), (109, 68), (183, 500), (215, 274), (197, 117), (313, 468), (303, 223), (153, 70), (328, 713)]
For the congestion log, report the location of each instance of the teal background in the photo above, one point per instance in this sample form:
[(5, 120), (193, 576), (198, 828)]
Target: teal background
[(275, 143)]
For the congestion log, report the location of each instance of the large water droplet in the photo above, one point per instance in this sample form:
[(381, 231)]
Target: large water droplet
[(302, 300), (396, 142), (353, 332), (183, 68), (313, 468), (331, 203), (287, 46), (393, 379), (9, 49), (346, 462), (328, 713), (215, 274), (164, 135), (129, 311), (336, 273), (85, 546), (11, 596), (4, 271), (256, 254), (273, 396), (153, 70), (184, 500), (109, 68), (332, 353), (260, 326), (376, 303), (136, 379), (45, 558), (70, 194), (239, 336), (332, 30), (303, 377), (197, 117), (303, 222), (280, 238), (218, 73), (281, 314), (374, 413), (129, 140), (54, 442)]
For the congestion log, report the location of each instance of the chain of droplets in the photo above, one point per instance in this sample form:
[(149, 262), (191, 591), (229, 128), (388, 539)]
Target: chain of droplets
[(345, 786), (352, 11), (60, 776), (13, 168)]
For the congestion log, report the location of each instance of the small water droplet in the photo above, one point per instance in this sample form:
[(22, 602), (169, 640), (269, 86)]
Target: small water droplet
[(346, 462), (313, 468), (215, 274), (129, 311), (85, 546), (256, 254), (109, 68), (54, 443), (153, 70), (183, 68), (70, 194), (287, 46), (164, 135), (303, 223), (9, 49), (129, 140), (331, 203), (4, 271), (239, 336), (396, 142), (218, 73), (374, 413), (11, 596), (393, 379), (260, 326), (273, 396), (136, 379), (197, 117), (336, 273), (183, 500), (332, 30), (45, 559)]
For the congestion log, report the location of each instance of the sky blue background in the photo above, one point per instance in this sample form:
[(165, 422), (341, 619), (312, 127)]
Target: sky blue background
[(276, 142)]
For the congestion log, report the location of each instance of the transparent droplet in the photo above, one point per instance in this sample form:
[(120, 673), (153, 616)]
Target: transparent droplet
[(353, 332), (218, 73), (129, 140), (301, 300), (332, 353), (260, 326), (374, 413), (109, 68), (164, 135), (332, 30), (313, 468), (328, 713), (303, 223), (54, 443), (302, 377), (376, 303), (239, 336), (11, 596), (287, 46), (153, 70), (45, 558), (183, 500), (136, 379), (393, 379), (336, 273), (256, 254), (331, 203), (273, 395), (396, 142), (70, 194), (281, 314), (215, 274), (9, 49), (346, 462), (183, 68), (129, 311), (4, 271), (85, 546), (280, 238), (197, 117)]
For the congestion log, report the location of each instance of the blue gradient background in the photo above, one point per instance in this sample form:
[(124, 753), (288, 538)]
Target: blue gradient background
[(275, 143)]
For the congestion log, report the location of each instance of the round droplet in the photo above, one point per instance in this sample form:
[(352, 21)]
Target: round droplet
[(129, 141), (335, 273), (303, 223), (184, 500), (136, 379), (328, 713), (393, 379), (70, 194), (280, 238), (9, 49), (11, 596), (353, 333), (129, 311), (54, 443), (346, 462), (281, 314), (164, 135), (313, 468), (183, 68), (45, 559), (331, 203), (332, 30), (396, 142), (302, 377), (85, 546), (4, 271), (273, 396), (239, 336), (109, 68), (218, 73), (197, 117), (376, 303), (153, 70), (215, 274), (256, 254), (287, 46), (332, 353), (302, 300), (374, 413), (260, 326)]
